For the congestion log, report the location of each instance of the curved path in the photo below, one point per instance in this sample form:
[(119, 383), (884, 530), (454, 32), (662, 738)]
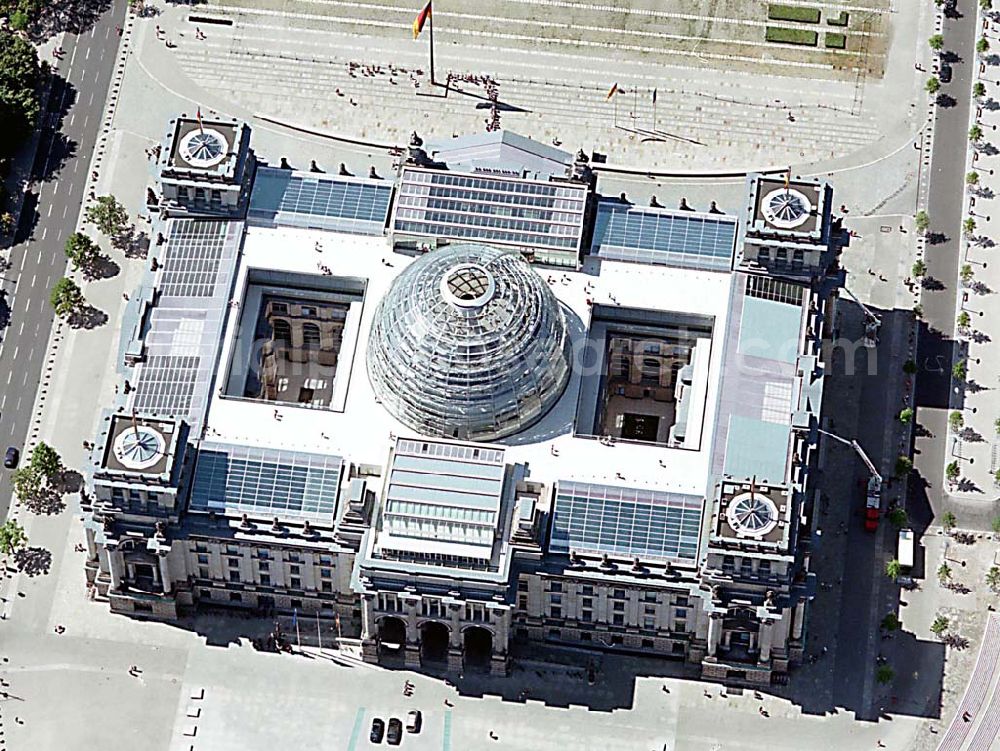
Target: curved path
[(985, 681)]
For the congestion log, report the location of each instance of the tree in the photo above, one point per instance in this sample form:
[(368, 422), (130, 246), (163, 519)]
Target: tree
[(906, 415), (108, 215), (944, 573), (893, 569), (971, 178), (919, 269), (884, 674), (966, 273), (81, 250), (978, 89), (903, 466), (955, 420), (948, 521), (936, 42), (6, 222), (933, 85), (983, 45), (963, 321), (890, 622), (952, 471), (940, 625), (20, 76), (66, 297), (910, 367), (27, 482), (975, 133), (969, 225), (959, 370), (993, 578), (986, 4), (996, 480), (45, 460), (996, 425), (11, 537), (918, 311), (898, 517), (922, 221)]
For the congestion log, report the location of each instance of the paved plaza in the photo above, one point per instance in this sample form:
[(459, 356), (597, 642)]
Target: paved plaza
[(204, 686)]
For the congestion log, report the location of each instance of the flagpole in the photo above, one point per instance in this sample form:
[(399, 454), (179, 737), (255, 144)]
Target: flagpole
[(654, 110), (319, 636), (431, 21)]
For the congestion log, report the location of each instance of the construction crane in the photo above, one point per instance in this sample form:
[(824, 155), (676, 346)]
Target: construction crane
[(873, 497), (872, 322)]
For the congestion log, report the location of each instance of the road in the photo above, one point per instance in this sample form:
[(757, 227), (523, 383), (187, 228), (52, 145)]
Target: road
[(70, 129), (945, 206)]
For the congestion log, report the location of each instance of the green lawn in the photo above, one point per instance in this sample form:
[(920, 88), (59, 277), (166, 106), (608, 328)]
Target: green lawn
[(784, 35), (839, 20), (835, 41), (792, 13)]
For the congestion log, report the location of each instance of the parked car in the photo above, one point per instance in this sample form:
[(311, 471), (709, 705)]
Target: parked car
[(395, 733), (11, 458), (945, 73), (413, 721), (378, 730)]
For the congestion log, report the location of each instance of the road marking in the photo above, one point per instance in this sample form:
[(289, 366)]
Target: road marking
[(71, 59), (65, 209), (50, 210), (3, 401), (87, 56), (72, 118), (45, 230), (10, 373), (92, 30), (12, 429), (55, 185), (91, 101), (21, 330), (359, 720), (39, 256), (446, 736), (33, 278)]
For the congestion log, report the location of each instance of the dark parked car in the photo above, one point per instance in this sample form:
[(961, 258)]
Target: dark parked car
[(11, 458), (945, 75), (395, 733), (378, 730)]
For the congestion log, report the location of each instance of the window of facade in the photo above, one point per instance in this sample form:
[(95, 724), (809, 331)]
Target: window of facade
[(326, 586), (555, 599), (264, 565), (555, 633), (234, 576), (235, 597), (325, 573), (326, 560), (203, 559), (294, 558), (265, 579), (746, 567), (728, 564), (296, 604), (203, 573), (293, 570), (587, 615), (232, 550), (618, 619), (764, 568), (555, 587), (555, 612), (200, 547), (647, 644), (681, 602), (281, 331), (650, 610), (680, 613), (649, 596), (295, 583), (133, 496), (263, 554), (587, 589), (620, 594), (310, 335), (649, 623), (234, 562), (522, 585), (618, 605)]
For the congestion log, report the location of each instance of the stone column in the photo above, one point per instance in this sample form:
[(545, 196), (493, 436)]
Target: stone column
[(165, 579), (766, 637), (799, 620), (116, 566), (714, 633)]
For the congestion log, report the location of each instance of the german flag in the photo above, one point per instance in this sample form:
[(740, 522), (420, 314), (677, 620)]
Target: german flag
[(421, 19), (612, 92)]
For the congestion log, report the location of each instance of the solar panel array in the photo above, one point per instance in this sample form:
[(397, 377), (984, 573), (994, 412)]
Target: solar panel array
[(663, 237), (266, 482), (527, 214), (184, 335), (316, 201), (626, 522)]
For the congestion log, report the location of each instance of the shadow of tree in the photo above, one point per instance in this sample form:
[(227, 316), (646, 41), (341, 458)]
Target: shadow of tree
[(88, 317), (930, 283), (33, 560), (71, 481), (134, 244), (47, 502), (936, 238), (966, 485), (102, 267), (73, 16), (946, 100)]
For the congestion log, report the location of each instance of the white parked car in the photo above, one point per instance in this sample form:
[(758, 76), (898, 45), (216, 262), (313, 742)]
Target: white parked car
[(413, 721)]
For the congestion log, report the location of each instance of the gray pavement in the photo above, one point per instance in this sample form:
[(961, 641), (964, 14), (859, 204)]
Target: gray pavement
[(946, 209), (71, 123)]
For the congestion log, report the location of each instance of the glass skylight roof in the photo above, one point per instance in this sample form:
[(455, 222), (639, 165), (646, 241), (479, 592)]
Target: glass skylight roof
[(625, 522), (667, 238), (528, 214), (469, 343), (318, 201), (266, 482)]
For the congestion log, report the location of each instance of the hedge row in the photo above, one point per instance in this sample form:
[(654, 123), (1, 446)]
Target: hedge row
[(784, 35), (792, 13)]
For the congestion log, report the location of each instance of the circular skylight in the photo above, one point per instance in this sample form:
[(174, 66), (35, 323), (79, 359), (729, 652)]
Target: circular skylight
[(468, 286), (139, 447), (752, 514), (203, 148), (469, 343), (786, 208)]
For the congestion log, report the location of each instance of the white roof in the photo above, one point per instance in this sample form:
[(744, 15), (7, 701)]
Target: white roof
[(363, 431)]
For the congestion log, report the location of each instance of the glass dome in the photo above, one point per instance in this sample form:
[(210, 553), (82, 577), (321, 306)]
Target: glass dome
[(469, 343)]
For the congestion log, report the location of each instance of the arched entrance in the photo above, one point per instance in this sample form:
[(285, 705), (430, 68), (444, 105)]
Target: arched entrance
[(434, 637), (391, 637), (478, 643)]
